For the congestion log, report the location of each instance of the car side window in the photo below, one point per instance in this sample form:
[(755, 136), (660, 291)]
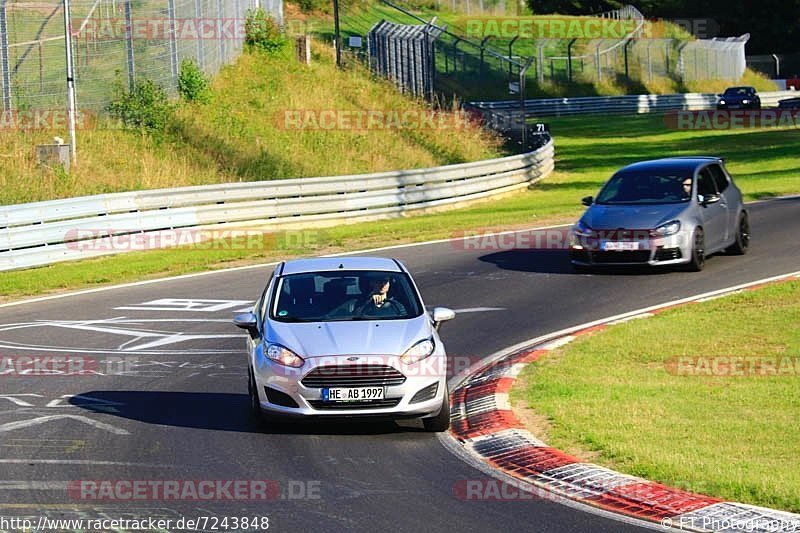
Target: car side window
[(720, 179), (705, 183), (262, 311)]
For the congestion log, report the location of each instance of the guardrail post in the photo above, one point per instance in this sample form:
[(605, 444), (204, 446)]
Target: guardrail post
[(129, 44)]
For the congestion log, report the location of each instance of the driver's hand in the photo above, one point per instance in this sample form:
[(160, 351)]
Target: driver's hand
[(378, 299)]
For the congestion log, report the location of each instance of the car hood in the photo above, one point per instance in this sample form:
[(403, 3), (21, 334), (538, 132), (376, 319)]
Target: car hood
[(363, 337), (602, 217)]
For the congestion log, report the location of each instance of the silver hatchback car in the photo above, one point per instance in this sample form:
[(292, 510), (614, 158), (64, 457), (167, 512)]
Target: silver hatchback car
[(346, 337), (673, 211)]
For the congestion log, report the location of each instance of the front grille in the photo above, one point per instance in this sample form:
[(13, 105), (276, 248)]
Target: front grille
[(353, 376), (374, 404), (624, 256), (279, 398), (667, 254)]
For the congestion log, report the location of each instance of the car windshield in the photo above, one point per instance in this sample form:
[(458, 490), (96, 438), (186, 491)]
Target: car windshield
[(344, 295), (645, 188), (738, 91)]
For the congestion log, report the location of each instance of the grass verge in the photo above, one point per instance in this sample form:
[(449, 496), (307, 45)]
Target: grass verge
[(250, 131), (588, 150), (622, 398)]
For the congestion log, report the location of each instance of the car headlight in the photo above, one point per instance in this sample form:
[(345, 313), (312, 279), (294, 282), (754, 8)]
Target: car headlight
[(670, 228), (582, 230), (722, 102), (284, 356), (418, 352), (745, 101)]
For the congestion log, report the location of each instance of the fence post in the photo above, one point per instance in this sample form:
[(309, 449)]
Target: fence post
[(569, 59), (511, 55), (597, 58), (625, 51), (483, 48), (6, 74), (220, 19), (129, 43), (173, 43), (540, 64), (201, 52)]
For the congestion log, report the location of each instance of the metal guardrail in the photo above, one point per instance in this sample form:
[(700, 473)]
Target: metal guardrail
[(61, 230), (629, 104)]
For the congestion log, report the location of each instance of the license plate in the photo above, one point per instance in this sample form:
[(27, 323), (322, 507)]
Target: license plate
[(614, 246), (352, 394)]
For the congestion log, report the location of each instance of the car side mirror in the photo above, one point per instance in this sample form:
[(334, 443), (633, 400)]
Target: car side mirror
[(441, 314), (587, 200), (708, 199), (248, 322)]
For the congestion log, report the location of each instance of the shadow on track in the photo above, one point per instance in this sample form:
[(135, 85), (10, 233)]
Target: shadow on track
[(557, 262), (221, 412)]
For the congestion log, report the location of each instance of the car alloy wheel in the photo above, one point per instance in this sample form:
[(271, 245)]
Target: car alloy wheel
[(742, 242), (698, 260)]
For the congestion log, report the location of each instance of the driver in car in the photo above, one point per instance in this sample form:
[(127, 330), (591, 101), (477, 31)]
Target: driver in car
[(379, 303)]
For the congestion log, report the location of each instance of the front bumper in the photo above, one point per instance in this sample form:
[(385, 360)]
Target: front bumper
[(658, 251), (296, 399)]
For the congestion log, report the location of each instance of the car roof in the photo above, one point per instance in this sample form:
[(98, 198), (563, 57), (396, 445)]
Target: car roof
[(322, 264), (683, 164), (745, 87)]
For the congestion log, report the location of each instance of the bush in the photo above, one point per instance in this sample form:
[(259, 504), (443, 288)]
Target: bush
[(311, 6), (146, 107), (262, 32), (192, 83)]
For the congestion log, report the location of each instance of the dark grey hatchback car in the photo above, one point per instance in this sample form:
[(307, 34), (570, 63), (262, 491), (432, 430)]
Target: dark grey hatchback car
[(673, 211)]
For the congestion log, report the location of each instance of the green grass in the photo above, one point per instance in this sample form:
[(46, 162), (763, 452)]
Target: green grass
[(617, 398), (588, 150)]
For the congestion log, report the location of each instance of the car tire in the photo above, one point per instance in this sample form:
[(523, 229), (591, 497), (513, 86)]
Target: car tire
[(742, 242), (698, 254), (255, 405), (441, 421), (581, 269)]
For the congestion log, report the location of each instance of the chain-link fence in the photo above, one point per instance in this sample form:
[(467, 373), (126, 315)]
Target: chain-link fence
[(481, 56), (113, 41)]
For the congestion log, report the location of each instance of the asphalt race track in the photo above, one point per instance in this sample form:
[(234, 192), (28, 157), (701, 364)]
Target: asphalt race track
[(181, 413)]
